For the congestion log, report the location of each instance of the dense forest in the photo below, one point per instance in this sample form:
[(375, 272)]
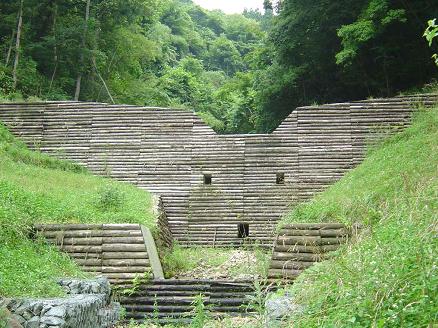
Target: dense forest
[(241, 73)]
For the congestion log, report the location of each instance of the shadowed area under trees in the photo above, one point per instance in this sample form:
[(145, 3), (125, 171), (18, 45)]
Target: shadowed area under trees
[(241, 73)]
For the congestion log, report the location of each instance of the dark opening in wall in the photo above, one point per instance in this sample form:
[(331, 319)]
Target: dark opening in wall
[(280, 178), (243, 230), (207, 179)]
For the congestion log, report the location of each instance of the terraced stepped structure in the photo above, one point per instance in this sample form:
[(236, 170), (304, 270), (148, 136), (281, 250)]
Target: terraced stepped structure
[(172, 301), (121, 252), (301, 245), (217, 190), (126, 255)]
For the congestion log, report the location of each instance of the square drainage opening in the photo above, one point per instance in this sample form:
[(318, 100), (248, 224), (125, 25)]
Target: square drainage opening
[(207, 179), (280, 178), (243, 230)]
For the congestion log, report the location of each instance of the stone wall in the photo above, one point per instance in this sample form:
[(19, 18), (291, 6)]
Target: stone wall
[(87, 305), (254, 178)]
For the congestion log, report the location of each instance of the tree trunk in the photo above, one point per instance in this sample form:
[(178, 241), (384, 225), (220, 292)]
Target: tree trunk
[(55, 47), (103, 81), (11, 44), (17, 45), (81, 61)]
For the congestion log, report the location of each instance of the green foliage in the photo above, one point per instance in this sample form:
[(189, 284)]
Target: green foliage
[(200, 311), (149, 52), (179, 259), (387, 278), (31, 268), (3, 318), (333, 51), (430, 34), (35, 188), (109, 198), (374, 19)]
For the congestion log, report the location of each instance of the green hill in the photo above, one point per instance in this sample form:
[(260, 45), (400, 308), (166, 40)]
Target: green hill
[(388, 277), (35, 188)]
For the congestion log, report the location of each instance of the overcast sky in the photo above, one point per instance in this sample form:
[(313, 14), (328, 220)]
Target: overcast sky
[(230, 6)]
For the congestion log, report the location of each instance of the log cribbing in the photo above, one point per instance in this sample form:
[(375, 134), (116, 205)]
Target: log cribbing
[(171, 301), (299, 246), (120, 252), (169, 152)]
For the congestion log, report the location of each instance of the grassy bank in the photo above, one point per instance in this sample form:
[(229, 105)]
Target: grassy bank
[(35, 188), (388, 278)]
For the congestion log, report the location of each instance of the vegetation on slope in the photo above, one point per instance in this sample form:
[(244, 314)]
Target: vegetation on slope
[(387, 278), (35, 188)]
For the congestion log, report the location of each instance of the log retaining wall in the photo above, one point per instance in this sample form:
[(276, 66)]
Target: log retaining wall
[(301, 245), (120, 252), (211, 184)]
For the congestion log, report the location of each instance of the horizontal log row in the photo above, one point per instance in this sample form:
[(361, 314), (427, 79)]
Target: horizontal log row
[(299, 246), (254, 178), (170, 301), (117, 251)]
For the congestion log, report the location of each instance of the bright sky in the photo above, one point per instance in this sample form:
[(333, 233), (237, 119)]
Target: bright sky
[(230, 6)]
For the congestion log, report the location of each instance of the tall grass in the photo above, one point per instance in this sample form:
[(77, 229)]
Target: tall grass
[(388, 278), (35, 188)]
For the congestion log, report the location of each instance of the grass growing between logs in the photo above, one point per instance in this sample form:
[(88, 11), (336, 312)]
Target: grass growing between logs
[(210, 263), (35, 188), (388, 278)]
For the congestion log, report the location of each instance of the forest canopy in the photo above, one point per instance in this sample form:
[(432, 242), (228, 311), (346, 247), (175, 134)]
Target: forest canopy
[(240, 73)]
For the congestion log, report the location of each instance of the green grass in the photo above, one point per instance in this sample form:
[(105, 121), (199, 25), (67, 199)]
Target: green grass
[(35, 188), (387, 278)]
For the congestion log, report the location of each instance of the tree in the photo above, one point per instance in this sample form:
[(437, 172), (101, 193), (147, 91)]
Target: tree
[(17, 45), (430, 34), (81, 61), (223, 55)]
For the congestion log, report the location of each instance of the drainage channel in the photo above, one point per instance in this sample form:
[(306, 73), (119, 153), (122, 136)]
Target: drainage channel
[(171, 301)]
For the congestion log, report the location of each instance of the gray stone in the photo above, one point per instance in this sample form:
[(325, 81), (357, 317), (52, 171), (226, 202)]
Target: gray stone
[(37, 308), (18, 318), (33, 323), (279, 307), (53, 321), (87, 306), (58, 311)]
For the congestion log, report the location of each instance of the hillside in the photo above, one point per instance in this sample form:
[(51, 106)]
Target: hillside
[(388, 277), (35, 188), (241, 72)]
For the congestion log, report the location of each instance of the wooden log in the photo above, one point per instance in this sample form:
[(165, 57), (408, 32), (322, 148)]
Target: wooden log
[(126, 262), (285, 274), (290, 264), (123, 248), (297, 257), (124, 255)]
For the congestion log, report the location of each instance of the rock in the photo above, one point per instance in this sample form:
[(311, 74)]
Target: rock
[(279, 307), (34, 322), (88, 306), (52, 321), (58, 311)]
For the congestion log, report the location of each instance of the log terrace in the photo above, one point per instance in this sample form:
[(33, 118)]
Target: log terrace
[(217, 190)]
